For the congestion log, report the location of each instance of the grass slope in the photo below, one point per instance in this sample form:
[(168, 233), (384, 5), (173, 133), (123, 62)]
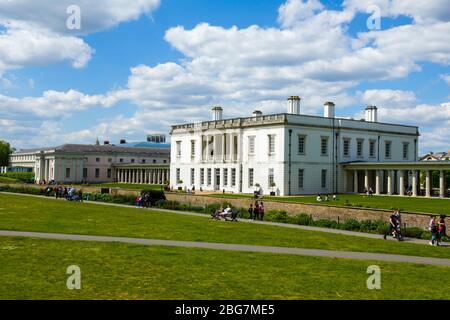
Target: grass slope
[(36, 269), (24, 213)]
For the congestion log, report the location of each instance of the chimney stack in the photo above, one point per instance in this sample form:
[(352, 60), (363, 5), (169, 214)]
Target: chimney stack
[(257, 113), (329, 110), (372, 114), (217, 113), (293, 105), (123, 141)]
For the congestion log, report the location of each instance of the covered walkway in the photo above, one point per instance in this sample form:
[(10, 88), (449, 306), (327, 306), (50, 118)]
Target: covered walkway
[(142, 173), (399, 178)]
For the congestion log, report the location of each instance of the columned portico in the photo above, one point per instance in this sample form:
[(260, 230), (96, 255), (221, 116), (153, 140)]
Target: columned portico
[(398, 176), (142, 174)]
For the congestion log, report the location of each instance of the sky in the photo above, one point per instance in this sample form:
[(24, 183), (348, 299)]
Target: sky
[(75, 70)]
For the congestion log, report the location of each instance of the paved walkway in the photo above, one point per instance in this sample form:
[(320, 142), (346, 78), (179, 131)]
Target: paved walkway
[(283, 225), (237, 247)]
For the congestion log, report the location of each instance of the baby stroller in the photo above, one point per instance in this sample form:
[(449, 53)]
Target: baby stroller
[(398, 233)]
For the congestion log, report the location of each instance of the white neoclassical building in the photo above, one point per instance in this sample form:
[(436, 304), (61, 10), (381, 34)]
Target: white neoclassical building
[(289, 153), (75, 163)]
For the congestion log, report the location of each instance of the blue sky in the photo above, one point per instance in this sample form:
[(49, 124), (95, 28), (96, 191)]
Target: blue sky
[(137, 68)]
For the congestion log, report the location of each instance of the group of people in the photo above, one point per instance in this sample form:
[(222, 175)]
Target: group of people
[(326, 197), (144, 200), (256, 212), (436, 226), (224, 213), (438, 230), (59, 192)]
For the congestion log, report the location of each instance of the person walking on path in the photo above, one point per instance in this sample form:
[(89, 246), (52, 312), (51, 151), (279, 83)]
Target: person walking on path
[(261, 211), (250, 211), (256, 211), (393, 222), (434, 229)]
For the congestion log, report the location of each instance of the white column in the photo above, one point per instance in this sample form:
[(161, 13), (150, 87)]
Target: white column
[(223, 147), (401, 182), (389, 182), (142, 176), (414, 183), (377, 183), (366, 179), (355, 181), (428, 184), (442, 184)]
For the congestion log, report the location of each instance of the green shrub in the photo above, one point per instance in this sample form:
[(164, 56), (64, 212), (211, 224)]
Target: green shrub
[(351, 225), (21, 176), (302, 219), (325, 223), (276, 216)]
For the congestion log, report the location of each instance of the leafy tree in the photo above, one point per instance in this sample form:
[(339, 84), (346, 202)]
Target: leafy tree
[(5, 151)]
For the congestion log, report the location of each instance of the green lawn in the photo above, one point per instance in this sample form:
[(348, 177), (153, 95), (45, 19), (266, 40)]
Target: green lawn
[(409, 204), (25, 213), (36, 269)]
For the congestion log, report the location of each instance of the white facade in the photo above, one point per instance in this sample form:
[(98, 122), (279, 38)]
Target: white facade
[(84, 163), (286, 153)]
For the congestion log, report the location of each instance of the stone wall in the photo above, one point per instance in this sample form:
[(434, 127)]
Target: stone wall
[(316, 211)]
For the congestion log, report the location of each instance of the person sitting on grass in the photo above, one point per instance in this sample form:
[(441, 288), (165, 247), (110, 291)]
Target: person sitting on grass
[(225, 213), (319, 198)]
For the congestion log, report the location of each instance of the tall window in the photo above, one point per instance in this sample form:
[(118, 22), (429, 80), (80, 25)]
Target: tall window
[(251, 145), (372, 149), (250, 177), (387, 150), (324, 179), (97, 173), (192, 176), (324, 146), (67, 173), (178, 148), (209, 177), (271, 143), (271, 177), (359, 148), (233, 177), (192, 148), (85, 173), (109, 173), (225, 177), (202, 176), (301, 176), (405, 151), (346, 147), (178, 175), (301, 144)]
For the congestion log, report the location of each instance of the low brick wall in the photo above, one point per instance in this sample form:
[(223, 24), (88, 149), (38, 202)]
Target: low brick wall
[(316, 211)]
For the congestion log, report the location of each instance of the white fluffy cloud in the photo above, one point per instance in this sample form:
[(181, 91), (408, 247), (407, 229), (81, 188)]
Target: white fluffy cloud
[(35, 32), (310, 54)]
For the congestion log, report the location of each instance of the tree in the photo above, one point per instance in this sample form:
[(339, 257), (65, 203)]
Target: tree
[(5, 151)]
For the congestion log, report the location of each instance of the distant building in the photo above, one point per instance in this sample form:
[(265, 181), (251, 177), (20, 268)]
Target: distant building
[(438, 156), (76, 163)]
